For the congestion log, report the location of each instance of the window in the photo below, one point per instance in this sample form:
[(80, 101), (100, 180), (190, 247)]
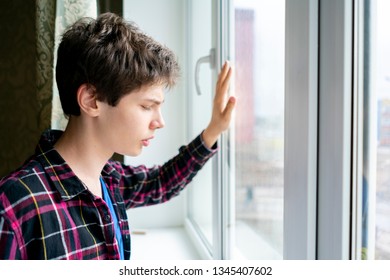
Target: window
[(254, 212), (375, 236), (259, 129)]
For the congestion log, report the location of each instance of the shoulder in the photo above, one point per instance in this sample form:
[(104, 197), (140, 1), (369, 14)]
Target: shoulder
[(22, 182)]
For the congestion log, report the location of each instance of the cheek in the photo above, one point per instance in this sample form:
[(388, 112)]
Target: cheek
[(133, 121), (129, 122)]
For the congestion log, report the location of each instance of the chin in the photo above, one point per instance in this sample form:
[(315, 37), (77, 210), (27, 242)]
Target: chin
[(136, 154), (133, 153)]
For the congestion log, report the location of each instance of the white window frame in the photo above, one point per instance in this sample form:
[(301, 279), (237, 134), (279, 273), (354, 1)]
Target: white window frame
[(358, 129), (335, 129), (301, 117)]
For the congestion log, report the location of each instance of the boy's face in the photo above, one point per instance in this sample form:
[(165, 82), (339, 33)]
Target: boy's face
[(130, 126)]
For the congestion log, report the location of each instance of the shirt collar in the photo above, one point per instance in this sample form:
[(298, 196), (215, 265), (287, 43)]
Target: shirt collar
[(59, 172)]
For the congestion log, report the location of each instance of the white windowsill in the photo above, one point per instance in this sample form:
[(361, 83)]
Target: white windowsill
[(174, 243), (170, 243)]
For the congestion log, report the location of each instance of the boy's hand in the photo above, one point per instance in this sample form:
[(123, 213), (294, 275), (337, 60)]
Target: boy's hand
[(222, 108)]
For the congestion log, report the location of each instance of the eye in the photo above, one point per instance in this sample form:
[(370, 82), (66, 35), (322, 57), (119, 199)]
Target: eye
[(147, 108)]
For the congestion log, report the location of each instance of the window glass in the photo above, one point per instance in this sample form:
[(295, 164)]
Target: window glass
[(376, 147), (259, 129)]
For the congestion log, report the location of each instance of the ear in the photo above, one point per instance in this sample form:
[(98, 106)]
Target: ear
[(86, 98)]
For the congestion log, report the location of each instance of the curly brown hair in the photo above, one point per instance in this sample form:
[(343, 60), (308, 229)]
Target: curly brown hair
[(112, 55)]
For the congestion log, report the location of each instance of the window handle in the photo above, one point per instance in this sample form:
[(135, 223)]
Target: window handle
[(204, 59)]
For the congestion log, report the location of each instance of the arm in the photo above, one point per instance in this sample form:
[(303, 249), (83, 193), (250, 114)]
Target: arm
[(142, 186)]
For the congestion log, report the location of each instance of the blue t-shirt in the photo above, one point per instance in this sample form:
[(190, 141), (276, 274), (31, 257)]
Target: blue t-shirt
[(118, 235)]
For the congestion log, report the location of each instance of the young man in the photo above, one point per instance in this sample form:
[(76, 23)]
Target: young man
[(69, 200)]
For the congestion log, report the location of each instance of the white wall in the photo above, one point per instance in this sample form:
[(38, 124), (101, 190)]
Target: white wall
[(164, 20)]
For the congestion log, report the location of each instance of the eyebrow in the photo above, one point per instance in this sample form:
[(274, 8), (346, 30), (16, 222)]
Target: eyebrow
[(155, 101)]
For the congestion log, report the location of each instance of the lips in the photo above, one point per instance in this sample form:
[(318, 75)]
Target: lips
[(146, 142)]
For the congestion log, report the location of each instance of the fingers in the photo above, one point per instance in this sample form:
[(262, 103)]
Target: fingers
[(225, 68), (224, 76), (229, 107), (222, 108), (223, 83), (226, 82)]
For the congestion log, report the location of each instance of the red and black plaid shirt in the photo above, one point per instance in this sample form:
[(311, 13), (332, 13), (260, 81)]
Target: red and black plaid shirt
[(47, 213)]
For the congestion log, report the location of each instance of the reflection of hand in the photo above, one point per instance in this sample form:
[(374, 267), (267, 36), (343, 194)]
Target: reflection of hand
[(222, 108)]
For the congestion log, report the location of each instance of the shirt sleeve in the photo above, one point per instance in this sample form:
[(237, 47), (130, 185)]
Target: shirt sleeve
[(142, 186), (9, 249)]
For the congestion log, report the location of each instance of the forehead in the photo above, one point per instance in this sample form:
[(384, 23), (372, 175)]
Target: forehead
[(145, 93)]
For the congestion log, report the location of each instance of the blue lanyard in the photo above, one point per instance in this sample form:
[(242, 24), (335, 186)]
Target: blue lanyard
[(118, 234)]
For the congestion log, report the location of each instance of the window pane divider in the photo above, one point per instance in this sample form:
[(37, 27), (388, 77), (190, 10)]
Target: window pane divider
[(301, 115), (335, 129)]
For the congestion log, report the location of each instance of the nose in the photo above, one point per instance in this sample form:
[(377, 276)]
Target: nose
[(158, 122)]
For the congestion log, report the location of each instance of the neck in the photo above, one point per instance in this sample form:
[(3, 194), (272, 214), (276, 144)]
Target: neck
[(80, 148)]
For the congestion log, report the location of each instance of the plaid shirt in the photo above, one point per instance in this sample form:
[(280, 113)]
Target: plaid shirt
[(47, 213)]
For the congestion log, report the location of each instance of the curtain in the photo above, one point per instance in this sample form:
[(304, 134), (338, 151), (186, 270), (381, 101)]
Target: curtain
[(45, 16), (29, 100), (67, 12), (52, 18)]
